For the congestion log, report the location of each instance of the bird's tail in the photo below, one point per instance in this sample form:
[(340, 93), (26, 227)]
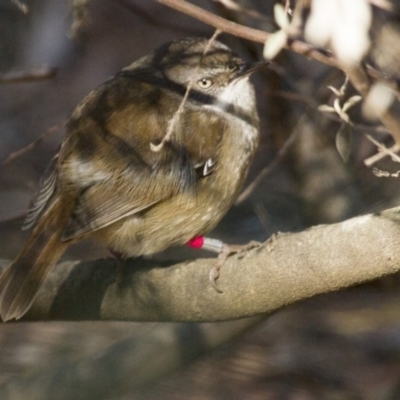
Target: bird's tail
[(21, 281)]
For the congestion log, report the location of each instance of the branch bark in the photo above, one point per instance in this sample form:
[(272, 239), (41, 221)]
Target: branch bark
[(286, 269)]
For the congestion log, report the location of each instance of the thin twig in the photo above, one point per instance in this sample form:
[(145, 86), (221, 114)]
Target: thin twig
[(357, 75), (262, 215), (383, 150), (28, 76), (266, 170), (383, 4), (231, 5), (216, 21), (378, 156), (172, 123), (18, 217), (297, 16), (21, 6), (246, 32), (288, 8), (16, 154), (259, 36)]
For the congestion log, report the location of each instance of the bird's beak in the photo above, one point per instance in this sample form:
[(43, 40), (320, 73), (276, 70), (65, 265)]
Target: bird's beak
[(247, 69)]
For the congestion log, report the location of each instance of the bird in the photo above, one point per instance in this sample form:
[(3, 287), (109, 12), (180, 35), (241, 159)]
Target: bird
[(153, 157)]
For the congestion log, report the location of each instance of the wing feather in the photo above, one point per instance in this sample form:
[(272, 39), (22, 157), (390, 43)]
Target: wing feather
[(98, 208), (46, 189), (116, 144)]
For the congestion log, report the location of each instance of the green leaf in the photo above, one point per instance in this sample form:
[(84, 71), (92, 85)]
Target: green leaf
[(274, 44), (280, 16), (326, 108), (343, 141), (351, 102)]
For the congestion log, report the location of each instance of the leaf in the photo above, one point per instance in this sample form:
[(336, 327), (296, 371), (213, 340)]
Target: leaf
[(339, 110), (274, 44), (336, 106), (351, 102), (281, 17), (379, 99), (335, 91), (326, 108), (343, 141)]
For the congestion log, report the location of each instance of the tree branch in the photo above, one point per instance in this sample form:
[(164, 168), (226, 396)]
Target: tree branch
[(28, 76), (357, 75), (287, 268), (29, 147), (245, 32), (361, 82)]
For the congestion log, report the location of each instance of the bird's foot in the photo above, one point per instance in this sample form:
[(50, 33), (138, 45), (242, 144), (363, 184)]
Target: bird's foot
[(226, 251), (119, 274)]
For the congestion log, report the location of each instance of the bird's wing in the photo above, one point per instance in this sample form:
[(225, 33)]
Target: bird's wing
[(125, 185), (124, 176), (99, 207), (42, 196)]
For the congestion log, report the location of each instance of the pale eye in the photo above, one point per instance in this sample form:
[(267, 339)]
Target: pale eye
[(204, 83)]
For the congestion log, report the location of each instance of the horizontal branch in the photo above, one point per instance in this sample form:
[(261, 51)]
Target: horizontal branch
[(38, 74), (287, 268), (246, 32)]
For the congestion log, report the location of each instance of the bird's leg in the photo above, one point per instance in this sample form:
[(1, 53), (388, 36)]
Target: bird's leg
[(224, 251), (120, 267)]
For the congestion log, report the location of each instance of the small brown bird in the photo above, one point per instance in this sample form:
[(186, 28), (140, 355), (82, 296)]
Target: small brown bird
[(135, 174)]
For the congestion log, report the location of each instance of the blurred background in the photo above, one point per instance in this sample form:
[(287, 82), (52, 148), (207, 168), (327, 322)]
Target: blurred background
[(339, 346)]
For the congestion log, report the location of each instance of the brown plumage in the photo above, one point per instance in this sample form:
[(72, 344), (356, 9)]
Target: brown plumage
[(108, 183)]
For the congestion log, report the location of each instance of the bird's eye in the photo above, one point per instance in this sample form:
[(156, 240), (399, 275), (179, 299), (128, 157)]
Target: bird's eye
[(204, 83)]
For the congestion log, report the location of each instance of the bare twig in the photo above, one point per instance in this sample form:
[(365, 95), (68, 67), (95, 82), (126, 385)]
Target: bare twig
[(19, 153), (21, 6), (259, 36), (297, 16), (28, 76), (17, 217), (288, 8), (383, 4), (216, 21), (378, 156), (266, 170), (383, 151), (246, 32), (231, 5), (356, 74), (172, 123)]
